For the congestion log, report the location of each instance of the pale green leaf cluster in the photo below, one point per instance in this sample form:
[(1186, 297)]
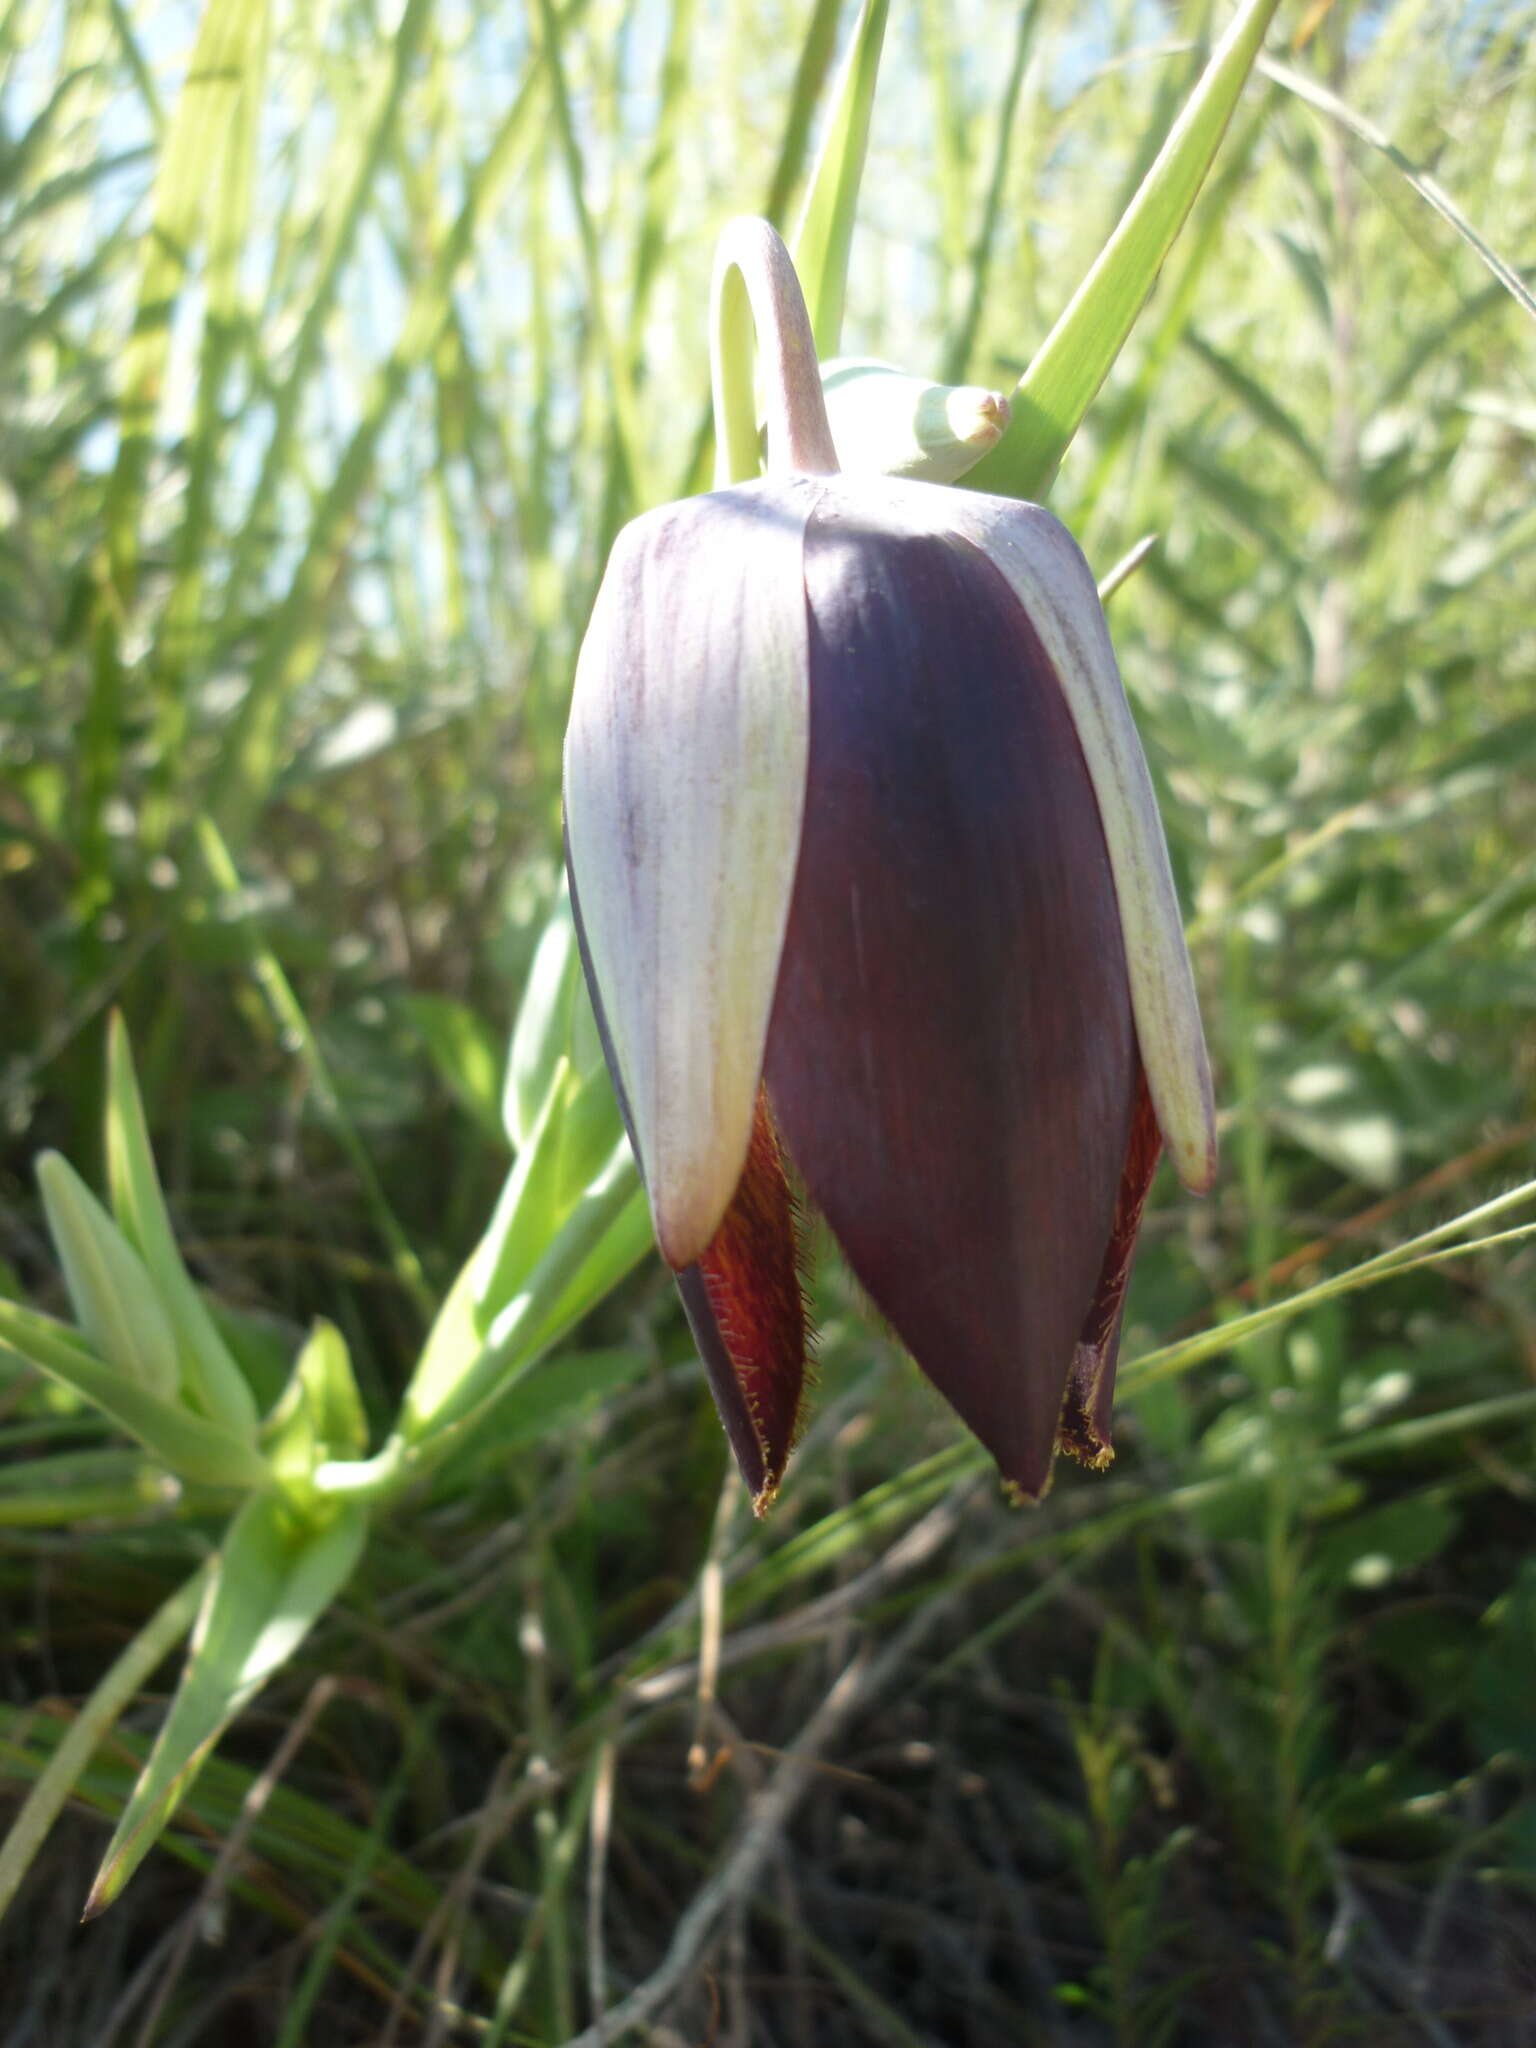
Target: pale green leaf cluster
[(571, 1220), (274, 1577), (147, 1352), (150, 1357)]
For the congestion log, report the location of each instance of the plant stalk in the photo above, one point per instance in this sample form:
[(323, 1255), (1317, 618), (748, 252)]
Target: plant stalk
[(755, 287)]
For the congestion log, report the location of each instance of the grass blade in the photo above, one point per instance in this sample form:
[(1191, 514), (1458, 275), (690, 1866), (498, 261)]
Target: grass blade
[(825, 233), (289, 1014), (138, 1203), (248, 761), (1429, 189), (131, 1670), (179, 1439), (231, 31), (959, 354)]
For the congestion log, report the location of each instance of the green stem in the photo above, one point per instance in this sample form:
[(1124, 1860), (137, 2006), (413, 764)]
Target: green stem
[(366, 1478), (755, 286)]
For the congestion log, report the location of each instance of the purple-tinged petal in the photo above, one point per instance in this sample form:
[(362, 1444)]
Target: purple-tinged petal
[(684, 783), (1046, 570), (747, 1312), (951, 1057), (1085, 1413)]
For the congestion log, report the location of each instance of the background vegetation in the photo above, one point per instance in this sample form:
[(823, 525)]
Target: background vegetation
[(316, 418)]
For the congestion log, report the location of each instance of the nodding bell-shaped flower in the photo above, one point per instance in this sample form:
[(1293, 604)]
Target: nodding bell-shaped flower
[(875, 906)]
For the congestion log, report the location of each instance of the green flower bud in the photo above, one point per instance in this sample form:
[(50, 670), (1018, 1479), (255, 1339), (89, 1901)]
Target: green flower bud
[(887, 423)]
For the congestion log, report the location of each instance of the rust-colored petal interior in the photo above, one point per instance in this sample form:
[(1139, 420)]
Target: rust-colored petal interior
[(747, 1311), (1086, 1411)]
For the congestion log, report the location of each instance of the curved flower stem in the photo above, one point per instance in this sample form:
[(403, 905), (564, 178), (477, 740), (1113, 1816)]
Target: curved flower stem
[(755, 286)]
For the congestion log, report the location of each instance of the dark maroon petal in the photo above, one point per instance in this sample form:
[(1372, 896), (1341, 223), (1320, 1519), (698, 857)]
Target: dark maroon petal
[(743, 1298), (1085, 1413), (747, 1313), (951, 1058)]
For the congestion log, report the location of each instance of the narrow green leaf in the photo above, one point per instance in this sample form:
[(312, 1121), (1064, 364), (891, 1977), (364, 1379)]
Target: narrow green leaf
[(132, 1669), (353, 182), (1430, 346), (229, 175), (1072, 362), (521, 1293), (825, 233), (30, 150), (1404, 1439), (195, 1449), (228, 32), (1306, 267), (591, 1134), (621, 395), (292, 1021), (113, 1488), (542, 1033), (79, 182), (216, 78), (247, 762), (544, 1399), (273, 1580), (658, 180), (465, 1052), (1169, 316), (879, 1510), (1429, 189), (958, 355), (210, 1374), (1244, 506), (1264, 406), (528, 1213), (369, 1866), (948, 139), (603, 1241), (1429, 1248), (816, 53), (110, 1289), (525, 1220), (45, 1474), (138, 69)]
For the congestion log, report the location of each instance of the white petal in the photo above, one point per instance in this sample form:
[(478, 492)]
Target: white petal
[(685, 765)]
